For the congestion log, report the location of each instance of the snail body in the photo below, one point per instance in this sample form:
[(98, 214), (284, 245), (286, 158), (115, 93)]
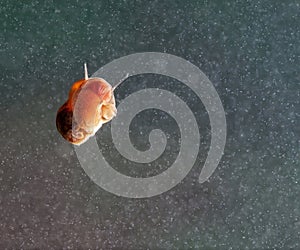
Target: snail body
[(90, 104)]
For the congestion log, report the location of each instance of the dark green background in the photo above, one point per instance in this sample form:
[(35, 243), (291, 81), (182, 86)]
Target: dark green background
[(250, 51)]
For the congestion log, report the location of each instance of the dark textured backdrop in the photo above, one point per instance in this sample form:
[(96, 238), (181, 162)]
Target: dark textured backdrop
[(249, 50)]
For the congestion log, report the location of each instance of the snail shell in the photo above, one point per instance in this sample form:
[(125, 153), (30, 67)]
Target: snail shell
[(90, 104)]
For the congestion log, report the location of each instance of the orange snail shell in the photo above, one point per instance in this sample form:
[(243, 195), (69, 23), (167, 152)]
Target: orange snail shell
[(95, 105)]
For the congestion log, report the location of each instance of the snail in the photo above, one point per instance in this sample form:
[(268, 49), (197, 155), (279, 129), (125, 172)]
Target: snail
[(90, 104)]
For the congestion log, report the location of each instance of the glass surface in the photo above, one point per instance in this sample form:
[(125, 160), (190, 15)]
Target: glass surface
[(250, 52)]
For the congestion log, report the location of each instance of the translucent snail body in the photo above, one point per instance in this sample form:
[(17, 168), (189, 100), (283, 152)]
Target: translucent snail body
[(90, 104)]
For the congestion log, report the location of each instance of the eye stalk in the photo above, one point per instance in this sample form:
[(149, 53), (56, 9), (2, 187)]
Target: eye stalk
[(86, 74)]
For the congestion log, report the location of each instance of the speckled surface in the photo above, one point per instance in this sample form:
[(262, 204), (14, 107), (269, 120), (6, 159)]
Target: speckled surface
[(248, 49)]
